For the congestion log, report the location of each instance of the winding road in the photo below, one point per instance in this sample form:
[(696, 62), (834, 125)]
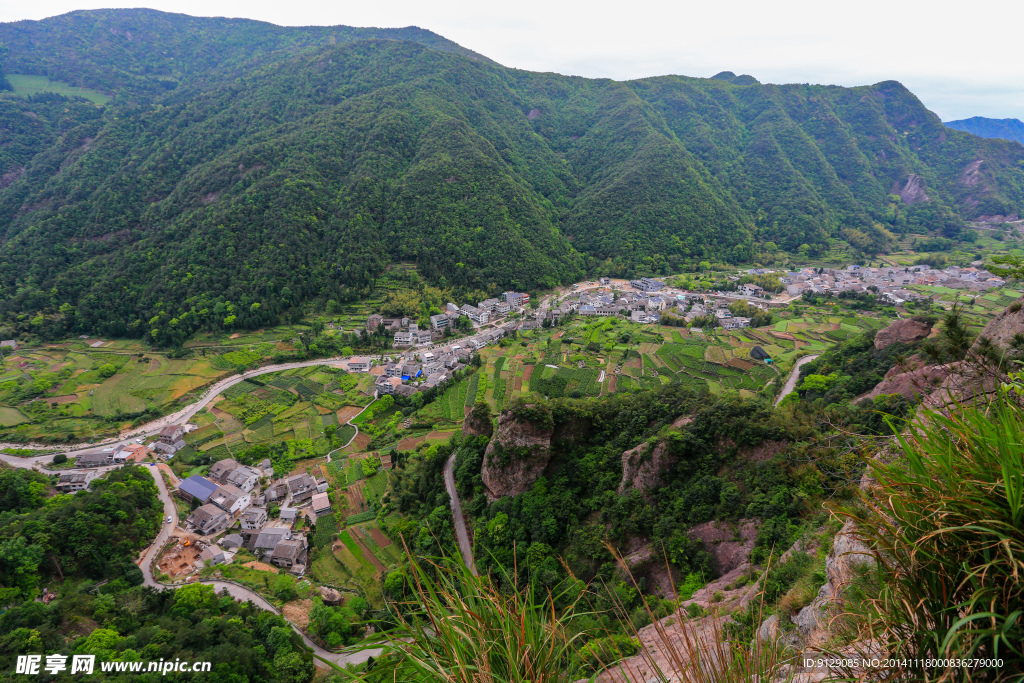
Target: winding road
[(180, 417), (461, 533), (149, 556), (238, 592), (794, 375)]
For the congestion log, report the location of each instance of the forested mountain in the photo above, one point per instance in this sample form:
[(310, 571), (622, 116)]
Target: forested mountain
[(243, 169), (1004, 129)]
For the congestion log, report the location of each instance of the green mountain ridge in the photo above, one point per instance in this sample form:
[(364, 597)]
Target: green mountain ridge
[(278, 167)]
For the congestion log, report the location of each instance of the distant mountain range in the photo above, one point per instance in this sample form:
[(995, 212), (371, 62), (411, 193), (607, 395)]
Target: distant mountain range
[(1004, 129), (242, 171)]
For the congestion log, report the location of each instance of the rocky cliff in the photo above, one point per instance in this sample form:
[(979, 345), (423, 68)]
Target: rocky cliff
[(478, 423), (518, 453), (643, 466), (1004, 327), (906, 331), (911, 380)]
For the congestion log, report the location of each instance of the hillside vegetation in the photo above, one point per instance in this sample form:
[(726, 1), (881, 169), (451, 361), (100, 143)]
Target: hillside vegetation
[(241, 170)]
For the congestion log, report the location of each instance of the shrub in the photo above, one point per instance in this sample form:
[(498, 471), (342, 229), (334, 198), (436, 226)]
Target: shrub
[(599, 653), (945, 524)]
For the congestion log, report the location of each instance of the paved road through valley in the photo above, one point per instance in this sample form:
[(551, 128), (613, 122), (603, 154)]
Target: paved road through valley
[(793, 377), (461, 533)]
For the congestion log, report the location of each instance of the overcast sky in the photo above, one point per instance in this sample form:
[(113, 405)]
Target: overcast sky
[(960, 64)]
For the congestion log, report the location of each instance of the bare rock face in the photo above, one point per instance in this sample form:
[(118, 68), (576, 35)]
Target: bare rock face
[(912, 191), (1001, 329), (911, 381), (330, 596), (907, 331), (812, 622), (477, 425), (517, 455), (642, 470), (728, 546)]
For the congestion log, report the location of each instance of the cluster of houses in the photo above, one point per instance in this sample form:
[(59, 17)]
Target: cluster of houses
[(647, 305), (424, 369), (889, 282), (408, 333), (231, 492), (641, 307), (170, 440)]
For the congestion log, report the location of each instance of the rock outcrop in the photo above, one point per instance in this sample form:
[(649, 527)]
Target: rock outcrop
[(911, 380), (517, 455), (729, 545), (330, 596), (643, 466), (907, 331), (812, 622), (477, 424), (1002, 328), (913, 191)]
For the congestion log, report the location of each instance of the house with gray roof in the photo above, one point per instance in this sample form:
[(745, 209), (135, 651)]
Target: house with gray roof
[(221, 469), (277, 492), (266, 540), (253, 519), (231, 541), (289, 553), (207, 520), (230, 498), (71, 482), (96, 459), (301, 487), (211, 556), (244, 478)]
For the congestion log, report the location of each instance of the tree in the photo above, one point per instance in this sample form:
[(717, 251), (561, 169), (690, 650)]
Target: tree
[(19, 563)]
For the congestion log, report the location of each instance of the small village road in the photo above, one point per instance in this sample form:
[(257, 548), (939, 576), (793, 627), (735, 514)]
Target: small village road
[(238, 592), (793, 377), (146, 565), (339, 658), (461, 533), (234, 590)]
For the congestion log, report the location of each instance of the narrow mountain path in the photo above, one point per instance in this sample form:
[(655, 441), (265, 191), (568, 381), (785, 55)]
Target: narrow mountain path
[(794, 375), (461, 533)]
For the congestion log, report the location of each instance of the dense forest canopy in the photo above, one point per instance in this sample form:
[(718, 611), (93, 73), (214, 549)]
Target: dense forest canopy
[(242, 170)]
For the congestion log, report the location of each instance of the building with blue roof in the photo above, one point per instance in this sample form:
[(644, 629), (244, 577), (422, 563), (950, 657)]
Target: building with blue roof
[(197, 488)]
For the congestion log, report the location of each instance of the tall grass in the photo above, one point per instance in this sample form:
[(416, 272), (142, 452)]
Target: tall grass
[(461, 628), (945, 523)]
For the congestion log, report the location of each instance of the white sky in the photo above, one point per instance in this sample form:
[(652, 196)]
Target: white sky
[(960, 64)]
